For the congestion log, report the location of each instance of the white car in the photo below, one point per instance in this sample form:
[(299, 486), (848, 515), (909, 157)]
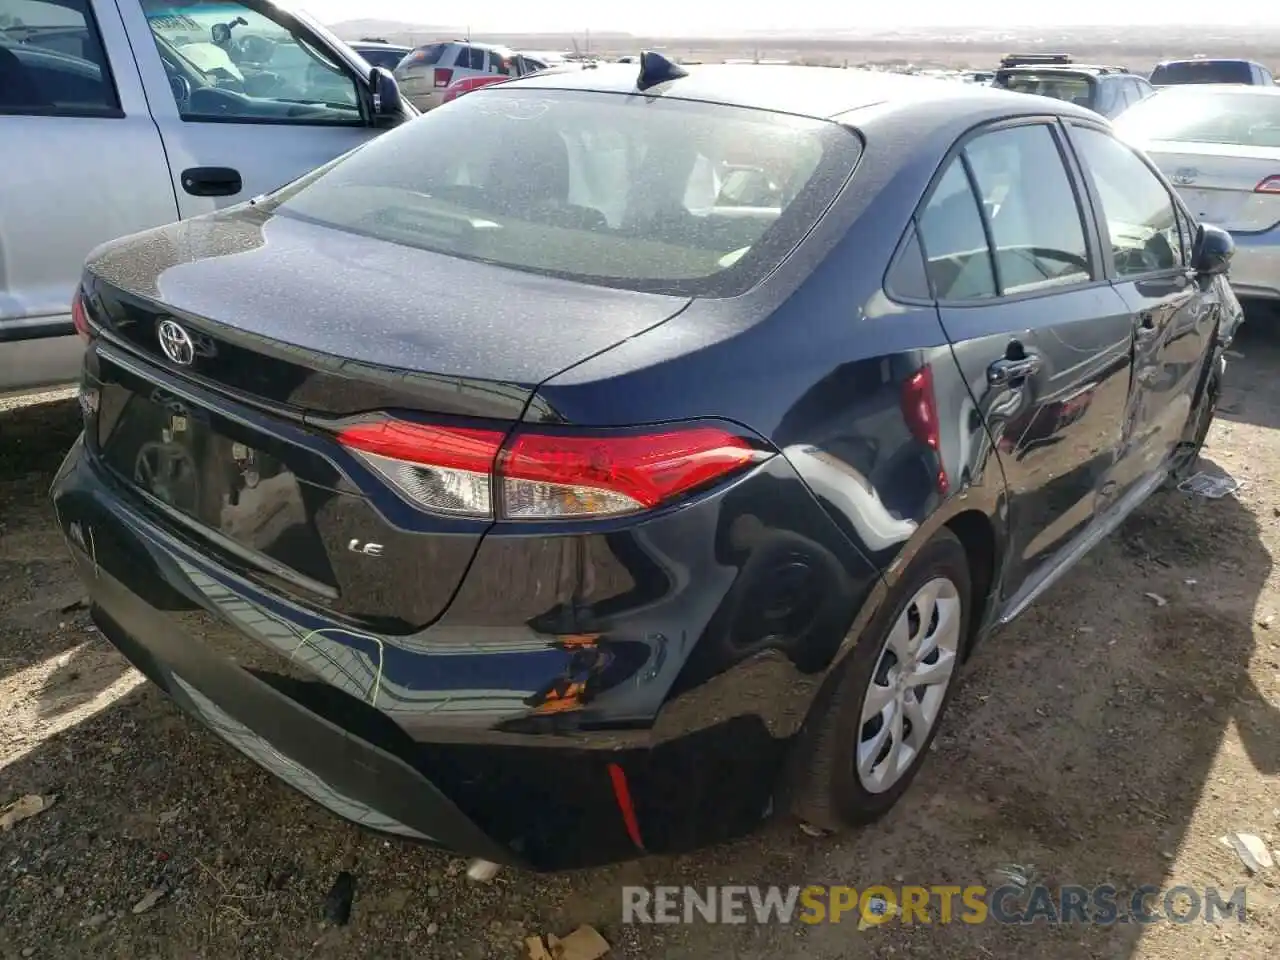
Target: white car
[(117, 116), (425, 74), (1220, 147)]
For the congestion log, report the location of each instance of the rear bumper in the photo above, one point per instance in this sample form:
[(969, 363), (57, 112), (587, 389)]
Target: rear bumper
[(332, 711), (422, 92), (1255, 268)]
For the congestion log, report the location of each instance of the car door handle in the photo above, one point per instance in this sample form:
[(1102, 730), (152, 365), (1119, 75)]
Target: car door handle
[(1008, 370), (212, 181)]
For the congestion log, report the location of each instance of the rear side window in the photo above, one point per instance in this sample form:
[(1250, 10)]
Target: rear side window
[(588, 187), (955, 246), (427, 56), (1035, 221), (52, 60), (1139, 211), (1202, 71)]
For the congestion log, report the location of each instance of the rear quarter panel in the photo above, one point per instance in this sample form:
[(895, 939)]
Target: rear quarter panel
[(816, 359)]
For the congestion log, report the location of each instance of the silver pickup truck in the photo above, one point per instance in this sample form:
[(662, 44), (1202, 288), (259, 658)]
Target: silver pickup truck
[(120, 115)]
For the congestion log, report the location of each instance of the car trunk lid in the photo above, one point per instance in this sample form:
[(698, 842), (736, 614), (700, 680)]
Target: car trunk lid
[(292, 330), (1219, 182)]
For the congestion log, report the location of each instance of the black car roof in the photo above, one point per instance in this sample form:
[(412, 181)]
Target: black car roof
[(376, 45), (823, 92)]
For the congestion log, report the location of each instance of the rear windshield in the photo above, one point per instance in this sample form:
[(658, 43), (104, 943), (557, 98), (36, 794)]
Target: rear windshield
[(1203, 71), (1201, 116), (428, 55), (1074, 88), (657, 195)]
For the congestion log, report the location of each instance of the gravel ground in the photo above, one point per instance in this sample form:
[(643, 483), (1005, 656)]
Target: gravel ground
[(1106, 736)]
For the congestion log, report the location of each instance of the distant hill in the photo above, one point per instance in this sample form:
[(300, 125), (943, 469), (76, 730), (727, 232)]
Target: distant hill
[(1136, 47), (355, 29)]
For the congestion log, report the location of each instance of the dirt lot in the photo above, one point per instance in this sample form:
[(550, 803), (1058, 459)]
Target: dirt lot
[(1105, 737)]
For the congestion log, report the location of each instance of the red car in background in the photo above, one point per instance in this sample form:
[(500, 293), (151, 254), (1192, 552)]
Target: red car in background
[(525, 65), (467, 84)]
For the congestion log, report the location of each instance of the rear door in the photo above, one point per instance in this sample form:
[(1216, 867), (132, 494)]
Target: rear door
[(1172, 317), (245, 97), (1041, 337), (80, 163)]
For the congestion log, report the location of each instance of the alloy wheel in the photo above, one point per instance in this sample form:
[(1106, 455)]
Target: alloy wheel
[(909, 685)]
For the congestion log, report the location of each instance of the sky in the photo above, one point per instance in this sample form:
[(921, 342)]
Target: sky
[(734, 16)]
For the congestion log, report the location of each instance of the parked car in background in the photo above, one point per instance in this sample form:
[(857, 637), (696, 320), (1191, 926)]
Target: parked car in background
[(119, 115), (1200, 70), (526, 64), (1105, 90), (385, 55), (467, 84), (549, 58), (529, 499), (1220, 147), (427, 72)]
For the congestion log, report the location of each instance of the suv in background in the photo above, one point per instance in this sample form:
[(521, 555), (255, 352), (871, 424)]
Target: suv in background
[(427, 71), (379, 53), (1204, 70), (1107, 90)]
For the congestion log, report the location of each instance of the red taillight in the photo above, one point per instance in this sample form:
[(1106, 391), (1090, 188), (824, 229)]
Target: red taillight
[(444, 469), (79, 316), (1269, 185), (920, 410), (443, 76), (545, 476)]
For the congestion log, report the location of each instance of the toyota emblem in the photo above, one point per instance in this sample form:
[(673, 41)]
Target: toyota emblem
[(176, 343)]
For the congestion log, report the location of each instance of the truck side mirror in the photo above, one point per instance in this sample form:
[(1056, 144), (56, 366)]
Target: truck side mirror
[(386, 94)]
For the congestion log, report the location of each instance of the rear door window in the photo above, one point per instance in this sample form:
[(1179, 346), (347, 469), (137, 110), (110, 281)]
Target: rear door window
[(1036, 227), (575, 185), (52, 61)]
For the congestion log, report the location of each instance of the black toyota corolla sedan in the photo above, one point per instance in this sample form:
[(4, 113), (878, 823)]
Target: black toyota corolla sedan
[(609, 459)]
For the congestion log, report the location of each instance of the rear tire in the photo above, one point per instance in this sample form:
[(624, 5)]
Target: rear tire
[(867, 740)]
